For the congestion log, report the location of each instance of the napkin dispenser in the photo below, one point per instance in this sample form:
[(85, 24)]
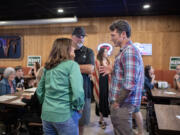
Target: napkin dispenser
[(162, 84)]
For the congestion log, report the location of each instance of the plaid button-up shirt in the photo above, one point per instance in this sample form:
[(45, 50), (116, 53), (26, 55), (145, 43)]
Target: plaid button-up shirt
[(128, 74)]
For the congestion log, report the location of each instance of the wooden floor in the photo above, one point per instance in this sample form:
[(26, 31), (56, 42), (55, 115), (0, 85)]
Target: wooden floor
[(93, 128)]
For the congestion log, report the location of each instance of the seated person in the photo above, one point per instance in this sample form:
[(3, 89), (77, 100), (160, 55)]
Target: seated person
[(177, 78), (34, 113), (8, 84), (149, 79), (19, 78), (35, 107)]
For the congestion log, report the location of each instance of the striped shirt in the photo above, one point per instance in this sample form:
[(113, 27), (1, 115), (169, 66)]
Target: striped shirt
[(128, 74)]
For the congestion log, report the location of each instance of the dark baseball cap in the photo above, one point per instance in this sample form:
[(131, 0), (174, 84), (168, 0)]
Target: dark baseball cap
[(79, 31)]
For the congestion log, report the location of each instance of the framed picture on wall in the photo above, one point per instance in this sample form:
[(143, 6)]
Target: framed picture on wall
[(174, 61), (11, 47)]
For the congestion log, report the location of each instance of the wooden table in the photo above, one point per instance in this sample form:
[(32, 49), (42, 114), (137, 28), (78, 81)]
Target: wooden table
[(167, 118), (12, 110), (165, 93), (17, 97), (165, 96)]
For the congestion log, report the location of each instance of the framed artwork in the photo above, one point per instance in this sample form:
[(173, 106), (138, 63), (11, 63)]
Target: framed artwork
[(174, 61), (11, 47)]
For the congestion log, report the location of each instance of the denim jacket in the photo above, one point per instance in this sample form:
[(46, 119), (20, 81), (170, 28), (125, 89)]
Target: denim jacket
[(5, 87)]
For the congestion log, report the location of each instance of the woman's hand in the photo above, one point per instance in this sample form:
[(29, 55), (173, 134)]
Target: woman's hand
[(80, 111), (153, 76), (105, 69)]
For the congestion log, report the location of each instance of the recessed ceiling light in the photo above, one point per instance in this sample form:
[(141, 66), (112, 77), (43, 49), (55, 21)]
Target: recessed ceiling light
[(146, 6), (60, 10)]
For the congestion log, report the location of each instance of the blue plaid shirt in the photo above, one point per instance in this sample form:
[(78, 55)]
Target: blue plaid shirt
[(128, 74)]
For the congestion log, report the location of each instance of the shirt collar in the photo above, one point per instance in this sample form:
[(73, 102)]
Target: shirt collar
[(80, 45), (80, 49), (128, 43)]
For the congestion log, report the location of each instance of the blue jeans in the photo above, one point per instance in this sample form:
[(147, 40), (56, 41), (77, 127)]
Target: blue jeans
[(69, 127)]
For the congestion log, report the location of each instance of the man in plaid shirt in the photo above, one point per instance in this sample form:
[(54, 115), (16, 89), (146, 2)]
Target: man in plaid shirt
[(127, 79)]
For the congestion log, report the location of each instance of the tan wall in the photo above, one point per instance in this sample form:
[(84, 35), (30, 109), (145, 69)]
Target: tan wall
[(162, 31)]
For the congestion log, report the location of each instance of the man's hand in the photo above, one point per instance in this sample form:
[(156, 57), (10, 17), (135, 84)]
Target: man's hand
[(115, 105), (105, 69), (87, 68)]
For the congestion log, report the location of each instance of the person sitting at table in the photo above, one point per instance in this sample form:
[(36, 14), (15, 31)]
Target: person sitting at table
[(19, 78), (8, 84), (33, 71), (34, 113), (177, 78), (149, 79), (148, 85)]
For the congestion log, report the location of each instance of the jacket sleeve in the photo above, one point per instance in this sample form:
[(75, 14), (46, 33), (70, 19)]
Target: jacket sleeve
[(2, 88), (76, 82), (148, 85), (40, 92)]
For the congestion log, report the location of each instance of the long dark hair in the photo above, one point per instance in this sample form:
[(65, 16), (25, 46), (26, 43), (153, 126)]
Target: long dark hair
[(59, 52), (37, 66), (146, 71), (100, 55)]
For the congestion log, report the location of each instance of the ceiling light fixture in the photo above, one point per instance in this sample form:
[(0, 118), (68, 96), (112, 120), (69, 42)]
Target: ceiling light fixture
[(60, 10), (146, 6), (40, 21)]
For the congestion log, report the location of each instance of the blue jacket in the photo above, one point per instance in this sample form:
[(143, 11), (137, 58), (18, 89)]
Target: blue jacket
[(147, 84), (5, 87)]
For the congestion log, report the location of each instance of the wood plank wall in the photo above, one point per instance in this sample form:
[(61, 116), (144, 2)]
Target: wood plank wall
[(162, 31)]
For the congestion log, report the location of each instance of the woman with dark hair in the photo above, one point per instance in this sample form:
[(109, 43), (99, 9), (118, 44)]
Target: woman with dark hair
[(149, 78), (102, 105), (60, 91), (33, 71)]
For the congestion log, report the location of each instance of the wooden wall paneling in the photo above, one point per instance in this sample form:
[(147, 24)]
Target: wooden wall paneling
[(162, 31)]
